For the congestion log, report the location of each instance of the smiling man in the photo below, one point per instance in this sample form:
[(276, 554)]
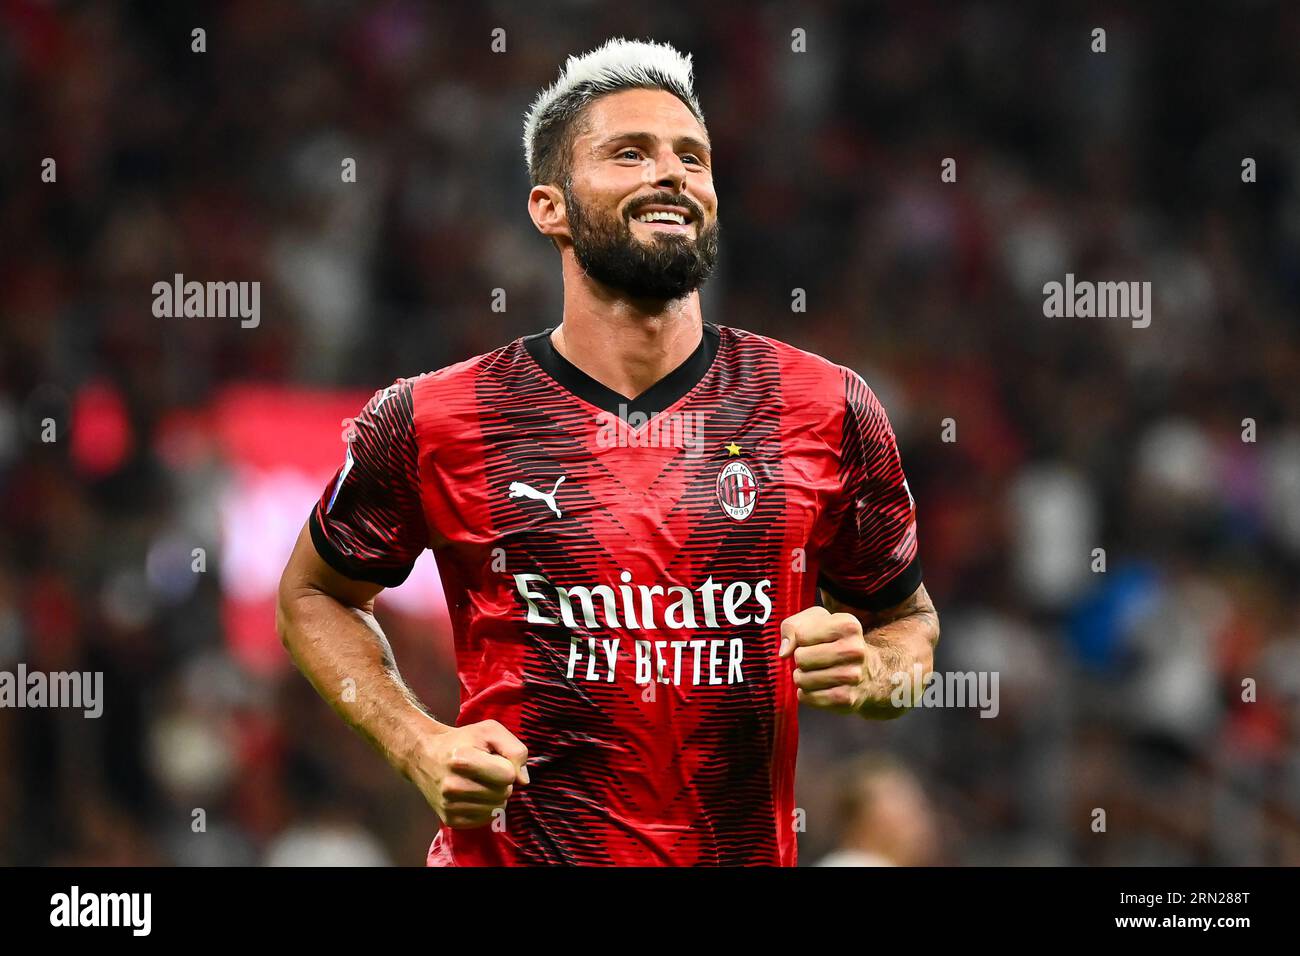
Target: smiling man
[(635, 621)]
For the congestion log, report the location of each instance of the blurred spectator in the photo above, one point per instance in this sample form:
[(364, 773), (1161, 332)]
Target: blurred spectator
[(885, 817)]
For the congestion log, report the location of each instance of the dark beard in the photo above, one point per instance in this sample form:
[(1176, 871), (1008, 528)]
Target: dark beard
[(667, 267)]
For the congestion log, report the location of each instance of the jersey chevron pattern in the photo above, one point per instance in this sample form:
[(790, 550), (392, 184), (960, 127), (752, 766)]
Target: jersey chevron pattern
[(617, 572)]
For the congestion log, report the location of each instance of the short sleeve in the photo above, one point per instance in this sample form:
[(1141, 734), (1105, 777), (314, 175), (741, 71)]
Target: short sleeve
[(871, 561), (369, 524)]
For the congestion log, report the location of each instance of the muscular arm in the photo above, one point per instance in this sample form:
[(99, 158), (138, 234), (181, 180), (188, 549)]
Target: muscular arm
[(327, 623), (370, 526), (904, 636)]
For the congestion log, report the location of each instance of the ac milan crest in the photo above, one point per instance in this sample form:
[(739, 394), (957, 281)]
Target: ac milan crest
[(737, 490)]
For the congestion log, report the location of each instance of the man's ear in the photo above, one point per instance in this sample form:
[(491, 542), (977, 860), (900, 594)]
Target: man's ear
[(547, 210)]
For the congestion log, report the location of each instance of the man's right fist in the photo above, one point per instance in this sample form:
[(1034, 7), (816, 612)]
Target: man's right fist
[(467, 772)]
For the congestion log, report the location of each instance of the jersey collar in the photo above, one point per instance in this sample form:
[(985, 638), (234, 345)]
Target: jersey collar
[(656, 398)]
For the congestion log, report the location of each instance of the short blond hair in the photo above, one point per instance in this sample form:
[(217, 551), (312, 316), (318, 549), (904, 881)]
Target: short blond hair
[(551, 124)]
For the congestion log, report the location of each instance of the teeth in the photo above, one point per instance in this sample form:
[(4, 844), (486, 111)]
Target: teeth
[(662, 217)]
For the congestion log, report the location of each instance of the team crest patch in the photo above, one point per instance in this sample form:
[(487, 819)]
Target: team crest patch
[(737, 490)]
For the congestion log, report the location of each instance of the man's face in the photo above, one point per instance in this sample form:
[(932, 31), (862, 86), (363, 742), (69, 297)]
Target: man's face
[(643, 152)]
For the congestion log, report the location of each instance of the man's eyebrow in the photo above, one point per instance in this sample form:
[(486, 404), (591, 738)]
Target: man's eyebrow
[(692, 142)]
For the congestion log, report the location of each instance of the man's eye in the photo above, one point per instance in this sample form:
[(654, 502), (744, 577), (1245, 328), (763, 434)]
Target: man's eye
[(692, 158), (634, 153)]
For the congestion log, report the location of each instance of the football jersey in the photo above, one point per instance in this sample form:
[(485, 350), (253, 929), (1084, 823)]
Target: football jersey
[(617, 571)]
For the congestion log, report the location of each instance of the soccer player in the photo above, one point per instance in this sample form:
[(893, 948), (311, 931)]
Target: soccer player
[(633, 513)]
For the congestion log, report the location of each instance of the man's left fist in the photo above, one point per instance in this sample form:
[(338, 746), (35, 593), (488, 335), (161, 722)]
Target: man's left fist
[(835, 668)]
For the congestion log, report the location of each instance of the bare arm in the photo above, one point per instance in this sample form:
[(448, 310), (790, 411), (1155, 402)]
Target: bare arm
[(327, 623), (904, 636)]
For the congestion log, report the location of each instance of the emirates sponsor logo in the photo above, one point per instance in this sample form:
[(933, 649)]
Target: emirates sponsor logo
[(714, 604)]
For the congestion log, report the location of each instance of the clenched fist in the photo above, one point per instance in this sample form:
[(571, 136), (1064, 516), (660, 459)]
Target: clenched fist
[(835, 668), (468, 772)]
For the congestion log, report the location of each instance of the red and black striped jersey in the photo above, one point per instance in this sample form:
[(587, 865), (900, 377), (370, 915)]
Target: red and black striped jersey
[(617, 572)]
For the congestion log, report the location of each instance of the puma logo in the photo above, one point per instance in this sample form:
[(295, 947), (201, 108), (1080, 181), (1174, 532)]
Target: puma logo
[(519, 489)]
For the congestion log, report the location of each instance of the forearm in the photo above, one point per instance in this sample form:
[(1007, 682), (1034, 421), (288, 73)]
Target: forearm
[(905, 643), (904, 639), (344, 654), (906, 649)]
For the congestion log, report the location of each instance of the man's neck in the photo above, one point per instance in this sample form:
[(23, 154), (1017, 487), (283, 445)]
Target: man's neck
[(627, 345)]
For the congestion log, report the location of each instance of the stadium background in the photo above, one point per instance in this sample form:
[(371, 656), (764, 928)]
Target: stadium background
[(1119, 690)]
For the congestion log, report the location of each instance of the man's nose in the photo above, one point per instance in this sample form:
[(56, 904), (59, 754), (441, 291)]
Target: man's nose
[(670, 172)]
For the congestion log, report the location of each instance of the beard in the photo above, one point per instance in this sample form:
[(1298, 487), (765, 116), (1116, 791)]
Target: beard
[(667, 266)]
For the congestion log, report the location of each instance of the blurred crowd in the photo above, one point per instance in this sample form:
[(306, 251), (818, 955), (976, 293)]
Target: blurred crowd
[(1109, 515)]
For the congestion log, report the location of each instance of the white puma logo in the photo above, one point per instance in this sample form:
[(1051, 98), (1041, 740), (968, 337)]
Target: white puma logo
[(519, 489)]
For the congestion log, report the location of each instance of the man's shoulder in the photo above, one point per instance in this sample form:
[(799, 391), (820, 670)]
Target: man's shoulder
[(466, 371), (446, 383), (804, 374), (450, 401)]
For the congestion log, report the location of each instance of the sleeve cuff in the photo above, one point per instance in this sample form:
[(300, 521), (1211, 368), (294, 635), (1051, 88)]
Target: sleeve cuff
[(349, 567), (897, 590)]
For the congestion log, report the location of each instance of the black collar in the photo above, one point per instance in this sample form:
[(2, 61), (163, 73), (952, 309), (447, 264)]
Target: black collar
[(656, 398)]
